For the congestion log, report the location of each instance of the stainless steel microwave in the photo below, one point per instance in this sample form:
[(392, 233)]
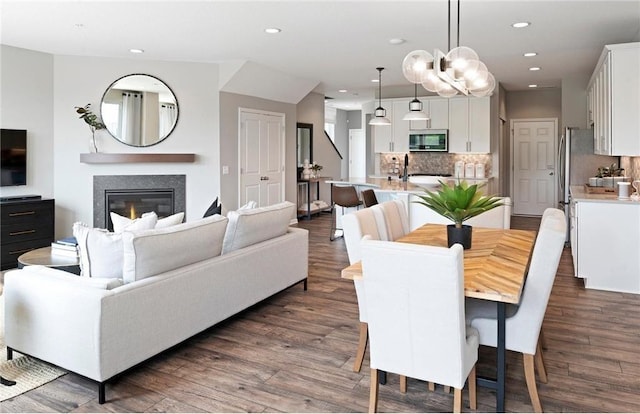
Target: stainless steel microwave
[(434, 140)]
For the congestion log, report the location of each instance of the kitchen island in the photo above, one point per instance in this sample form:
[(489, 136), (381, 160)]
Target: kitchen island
[(396, 189), (605, 240)]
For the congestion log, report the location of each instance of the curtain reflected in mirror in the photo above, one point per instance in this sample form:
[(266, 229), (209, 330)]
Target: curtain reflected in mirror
[(139, 110), (304, 143)]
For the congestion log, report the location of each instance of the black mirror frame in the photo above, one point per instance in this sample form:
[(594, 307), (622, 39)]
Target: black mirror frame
[(160, 139)]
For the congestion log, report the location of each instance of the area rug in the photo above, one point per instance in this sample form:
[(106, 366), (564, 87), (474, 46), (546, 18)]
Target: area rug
[(29, 373)]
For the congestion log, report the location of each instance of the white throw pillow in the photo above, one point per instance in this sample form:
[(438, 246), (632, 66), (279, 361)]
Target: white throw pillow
[(171, 220), (247, 227), (250, 204), (146, 222), (100, 251), (151, 252)]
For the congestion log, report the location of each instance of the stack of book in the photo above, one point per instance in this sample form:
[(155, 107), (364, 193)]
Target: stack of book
[(65, 247)]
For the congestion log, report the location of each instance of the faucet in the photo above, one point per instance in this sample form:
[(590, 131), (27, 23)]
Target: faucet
[(405, 174)]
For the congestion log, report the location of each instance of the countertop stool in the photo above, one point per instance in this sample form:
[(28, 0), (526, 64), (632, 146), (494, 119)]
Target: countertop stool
[(3, 380), (343, 196)]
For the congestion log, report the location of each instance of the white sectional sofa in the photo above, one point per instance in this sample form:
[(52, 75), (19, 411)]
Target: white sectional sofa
[(176, 282)]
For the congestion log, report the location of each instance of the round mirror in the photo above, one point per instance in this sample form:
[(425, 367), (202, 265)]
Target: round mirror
[(139, 110)]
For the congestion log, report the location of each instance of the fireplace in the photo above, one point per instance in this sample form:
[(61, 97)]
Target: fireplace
[(132, 195), (133, 203)]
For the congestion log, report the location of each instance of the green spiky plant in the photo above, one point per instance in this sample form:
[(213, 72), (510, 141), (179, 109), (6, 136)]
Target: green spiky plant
[(458, 202), (92, 120)]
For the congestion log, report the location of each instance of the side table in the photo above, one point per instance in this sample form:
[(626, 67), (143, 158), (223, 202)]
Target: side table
[(3, 380), (44, 257)]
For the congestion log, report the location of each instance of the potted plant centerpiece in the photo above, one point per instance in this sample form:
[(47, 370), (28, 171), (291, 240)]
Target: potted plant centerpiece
[(458, 203)]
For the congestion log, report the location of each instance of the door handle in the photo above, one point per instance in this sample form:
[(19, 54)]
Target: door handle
[(551, 173), (264, 178)]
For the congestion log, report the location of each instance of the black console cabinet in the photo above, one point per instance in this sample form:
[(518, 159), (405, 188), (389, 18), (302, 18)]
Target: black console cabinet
[(25, 225)]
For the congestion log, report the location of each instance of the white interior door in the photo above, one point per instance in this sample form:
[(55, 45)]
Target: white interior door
[(261, 153), (357, 153), (534, 181)]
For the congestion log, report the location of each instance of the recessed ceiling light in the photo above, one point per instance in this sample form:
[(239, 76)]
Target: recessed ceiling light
[(272, 30), (533, 86), (136, 50), (342, 90), (534, 68), (520, 25), (530, 54), (396, 41)]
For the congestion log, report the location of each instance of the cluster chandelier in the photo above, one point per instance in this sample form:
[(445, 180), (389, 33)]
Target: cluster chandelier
[(460, 70)]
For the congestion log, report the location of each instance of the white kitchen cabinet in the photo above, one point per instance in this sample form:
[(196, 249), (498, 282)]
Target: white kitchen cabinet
[(605, 245), (469, 125), (437, 109), (573, 237), (383, 134), (614, 100), (395, 137), (400, 126)]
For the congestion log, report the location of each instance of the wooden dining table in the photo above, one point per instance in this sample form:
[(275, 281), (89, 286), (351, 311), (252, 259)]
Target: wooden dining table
[(495, 269)]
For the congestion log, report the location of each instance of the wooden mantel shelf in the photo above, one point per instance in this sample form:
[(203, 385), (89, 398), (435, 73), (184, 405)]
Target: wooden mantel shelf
[(107, 158)]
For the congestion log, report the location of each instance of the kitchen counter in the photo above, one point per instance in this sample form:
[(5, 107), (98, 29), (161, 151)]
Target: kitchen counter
[(381, 184), (578, 193)]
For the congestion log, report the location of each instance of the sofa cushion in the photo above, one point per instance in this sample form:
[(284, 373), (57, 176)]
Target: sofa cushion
[(121, 223), (100, 251), (250, 226), (151, 252)]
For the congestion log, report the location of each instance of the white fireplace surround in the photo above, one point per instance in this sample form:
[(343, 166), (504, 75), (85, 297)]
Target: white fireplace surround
[(103, 183)]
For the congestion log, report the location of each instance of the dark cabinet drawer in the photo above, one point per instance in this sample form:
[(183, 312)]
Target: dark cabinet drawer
[(24, 231), (27, 211), (25, 225), (11, 251)]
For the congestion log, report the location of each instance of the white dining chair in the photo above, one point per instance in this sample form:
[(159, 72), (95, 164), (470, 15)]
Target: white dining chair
[(405, 285), (395, 217), (497, 218), (524, 322), (355, 225)]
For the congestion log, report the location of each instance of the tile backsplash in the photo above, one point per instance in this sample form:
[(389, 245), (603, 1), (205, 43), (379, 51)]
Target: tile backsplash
[(432, 162), (631, 167)]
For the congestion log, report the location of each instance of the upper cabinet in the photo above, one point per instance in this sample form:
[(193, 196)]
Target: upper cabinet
[(469, 125), (437, 109), (395, 137), (613, 100)]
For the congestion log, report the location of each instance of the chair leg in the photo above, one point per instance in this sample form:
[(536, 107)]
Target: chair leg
[(332, 235), (373, 391), (457, 400), (447, 389), (530, 377), (432, 386), (362, 346), (403, 384), (539, 361), (473, 399)]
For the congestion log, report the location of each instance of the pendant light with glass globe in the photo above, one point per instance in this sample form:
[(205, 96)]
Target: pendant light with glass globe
[(380, 113), (460, 70)]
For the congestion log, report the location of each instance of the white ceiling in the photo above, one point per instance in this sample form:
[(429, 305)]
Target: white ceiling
[(332, 44)]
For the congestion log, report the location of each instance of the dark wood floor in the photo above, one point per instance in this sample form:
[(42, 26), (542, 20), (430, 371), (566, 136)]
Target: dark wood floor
[(294, 353)]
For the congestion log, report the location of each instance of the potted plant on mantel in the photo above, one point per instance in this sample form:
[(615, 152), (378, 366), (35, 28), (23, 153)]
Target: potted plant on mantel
[(92, 120), (459, 203)]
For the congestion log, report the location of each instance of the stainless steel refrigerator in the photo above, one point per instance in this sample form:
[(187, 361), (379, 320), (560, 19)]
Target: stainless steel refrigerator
[(576, 163)]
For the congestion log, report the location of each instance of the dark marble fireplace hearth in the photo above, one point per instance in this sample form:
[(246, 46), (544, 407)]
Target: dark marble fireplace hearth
[(138, 187)]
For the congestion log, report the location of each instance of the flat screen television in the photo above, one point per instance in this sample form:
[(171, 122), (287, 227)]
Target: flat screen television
[(13, 157)]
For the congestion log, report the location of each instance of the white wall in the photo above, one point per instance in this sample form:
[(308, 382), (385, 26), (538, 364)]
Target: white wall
[(26, 96), (81, 80)]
